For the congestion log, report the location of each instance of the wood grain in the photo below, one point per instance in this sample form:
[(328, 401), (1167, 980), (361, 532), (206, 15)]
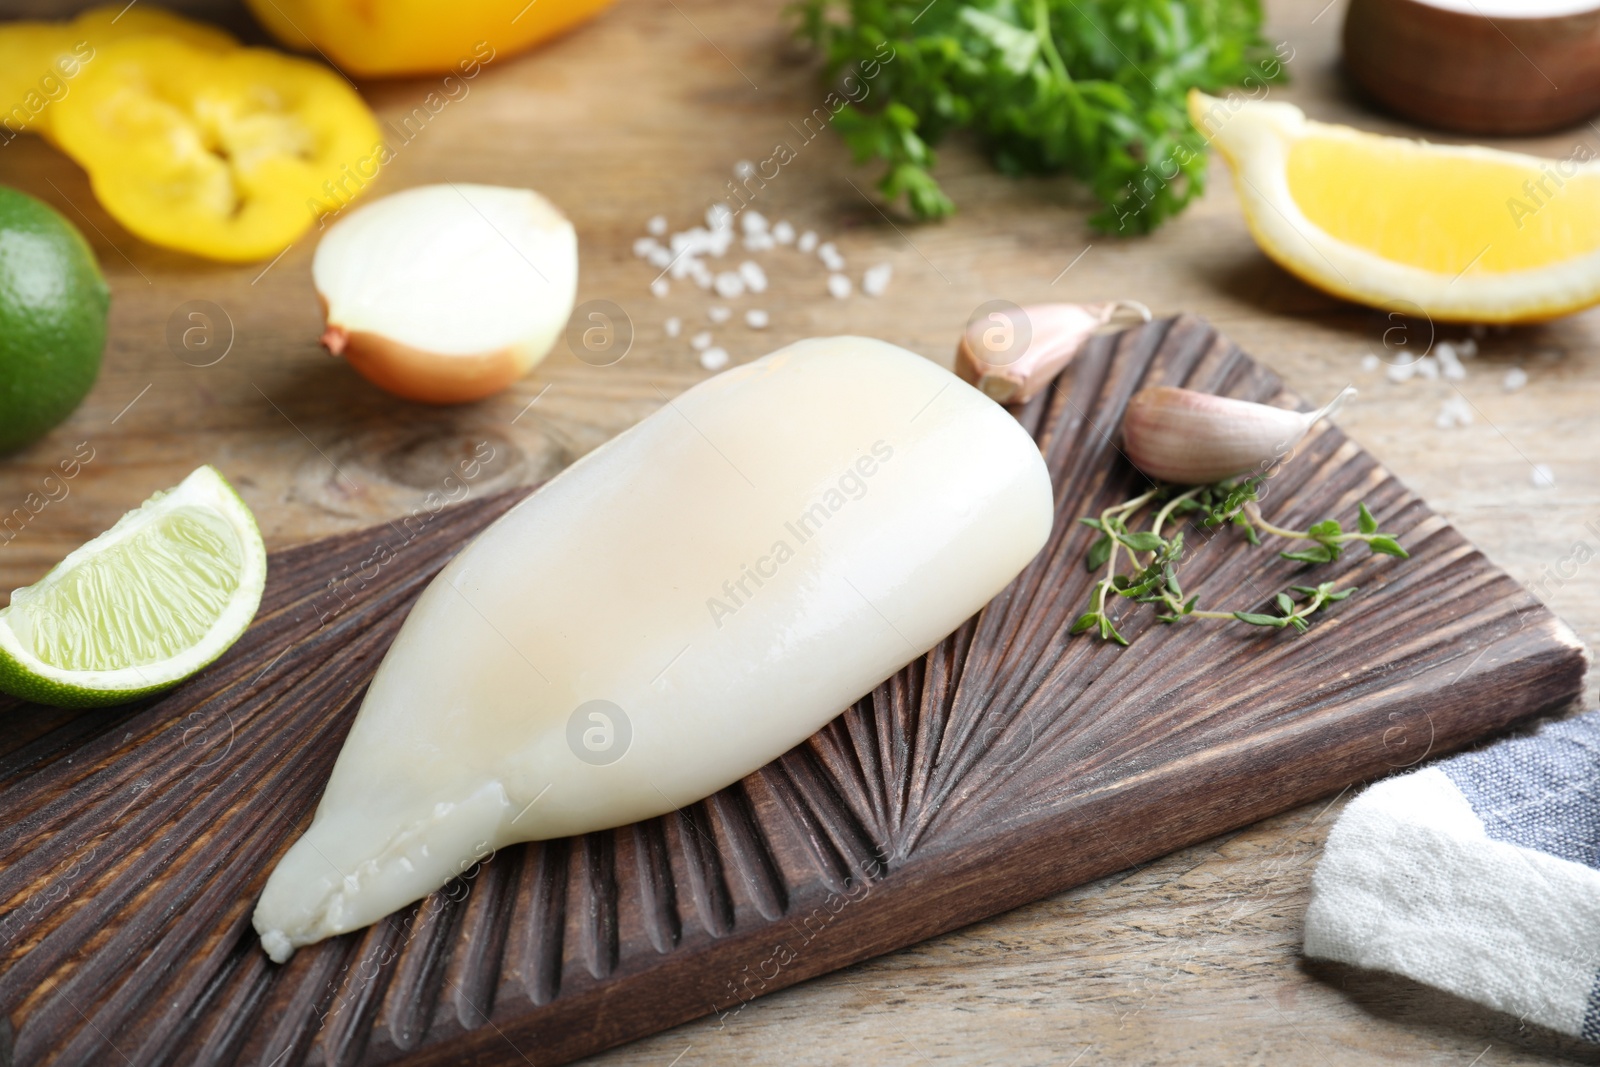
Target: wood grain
[(1010, 762)]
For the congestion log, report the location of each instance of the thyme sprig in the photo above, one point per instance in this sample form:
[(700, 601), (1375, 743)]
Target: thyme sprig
[(1154, 559)]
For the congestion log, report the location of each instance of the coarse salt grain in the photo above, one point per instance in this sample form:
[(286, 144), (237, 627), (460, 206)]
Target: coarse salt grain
[(644, 246), (719, 217), (830, 257), (674, 326), (838, 286), (755, 279), (1449, 363), (1455, 412), (807, 242), (744, 168), (1542, 477), (1370, 362), (714, 358), (759, 242), (659, 287), (1401, 372), (753, 221), (1515, 379), (1428, 367), (729, 285), (659, 257), (1468, 348), (718, 314), (756, 319), (657, 225), (700, 341), (782, 232), (876, 280)]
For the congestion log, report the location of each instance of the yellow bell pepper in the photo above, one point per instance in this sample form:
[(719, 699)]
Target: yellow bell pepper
[(393, 37), (40, 60), (229, 155)]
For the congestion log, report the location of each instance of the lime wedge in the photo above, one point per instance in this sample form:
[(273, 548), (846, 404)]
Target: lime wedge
[(143, 606)]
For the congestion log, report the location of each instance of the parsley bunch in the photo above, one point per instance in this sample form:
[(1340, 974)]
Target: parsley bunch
[(1092, 87)]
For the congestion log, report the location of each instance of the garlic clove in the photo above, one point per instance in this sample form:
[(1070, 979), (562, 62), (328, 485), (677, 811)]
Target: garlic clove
[(447, 293), (1011, 354), (1192, 438)]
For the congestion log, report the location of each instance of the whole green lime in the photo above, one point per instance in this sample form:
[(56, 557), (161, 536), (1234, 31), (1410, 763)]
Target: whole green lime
[(53, 303)]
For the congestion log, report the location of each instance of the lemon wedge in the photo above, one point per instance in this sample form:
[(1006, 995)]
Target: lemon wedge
[(1458, 233)]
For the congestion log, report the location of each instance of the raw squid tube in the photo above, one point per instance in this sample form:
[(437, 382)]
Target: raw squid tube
[(678, 608)]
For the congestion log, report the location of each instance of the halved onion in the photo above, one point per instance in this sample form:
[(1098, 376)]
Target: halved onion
[(447, 293)]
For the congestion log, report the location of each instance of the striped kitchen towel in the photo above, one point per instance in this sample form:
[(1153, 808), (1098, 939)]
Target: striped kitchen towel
[(1479, 874)]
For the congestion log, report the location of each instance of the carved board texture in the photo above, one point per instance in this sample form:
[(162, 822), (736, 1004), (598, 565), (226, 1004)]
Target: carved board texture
[(1010, 762)]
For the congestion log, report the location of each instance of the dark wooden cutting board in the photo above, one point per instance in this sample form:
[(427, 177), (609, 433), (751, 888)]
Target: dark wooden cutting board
[(1009, 763)]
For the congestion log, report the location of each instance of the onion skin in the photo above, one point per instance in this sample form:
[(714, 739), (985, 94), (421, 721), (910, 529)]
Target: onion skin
[(426, 377)]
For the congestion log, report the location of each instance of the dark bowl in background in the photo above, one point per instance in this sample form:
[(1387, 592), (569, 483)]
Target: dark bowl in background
[(1474, 73)]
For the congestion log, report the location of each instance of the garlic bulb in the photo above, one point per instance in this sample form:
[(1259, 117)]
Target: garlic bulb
[(447, 293), (1191, 438)]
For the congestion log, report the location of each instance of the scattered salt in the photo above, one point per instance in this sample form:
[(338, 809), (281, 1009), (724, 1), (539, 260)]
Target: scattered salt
[(659, 287), (659, 257), (729, 285), (744, 168), (830, 256), (700, 341), (755, 279), (1455, 412), (1401, 372), (1543, 477), (718, 314), (838, 286), (759, 242), (756, 319), (1428, 367), (1449, 364), (1515, 379), (674, 326), (783, 233), (657, 225), (719, 217), (714, 358), (1468, 348), (701, 274), (876, 280), (807, 242), (753, 221), (1370, 362), (644, 246)]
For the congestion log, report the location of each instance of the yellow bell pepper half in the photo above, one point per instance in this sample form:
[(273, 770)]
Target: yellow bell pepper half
[(40, 61), (371, 39), (227, 155)]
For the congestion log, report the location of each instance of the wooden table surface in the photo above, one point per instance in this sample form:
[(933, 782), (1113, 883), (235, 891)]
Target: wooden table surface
[(1193, 958)]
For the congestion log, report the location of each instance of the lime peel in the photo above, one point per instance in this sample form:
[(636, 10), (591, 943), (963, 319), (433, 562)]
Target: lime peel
[(189, 566)]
